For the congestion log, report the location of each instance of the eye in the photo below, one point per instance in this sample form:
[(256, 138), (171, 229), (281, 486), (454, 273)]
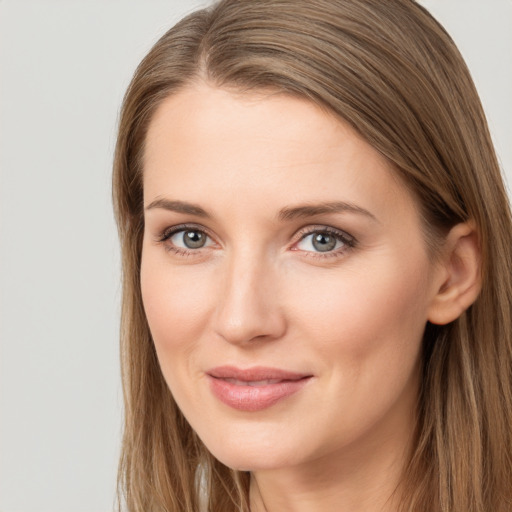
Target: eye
[(189, 239), (325, 241), (183, 239)]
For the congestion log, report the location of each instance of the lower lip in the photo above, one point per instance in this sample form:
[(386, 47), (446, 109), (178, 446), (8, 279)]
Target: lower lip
[(254, 398)]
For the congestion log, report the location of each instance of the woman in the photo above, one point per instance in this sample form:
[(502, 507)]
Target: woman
[(316, 250)]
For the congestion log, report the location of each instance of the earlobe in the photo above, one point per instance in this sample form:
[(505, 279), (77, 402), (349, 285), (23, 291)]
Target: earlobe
[(459, 280)]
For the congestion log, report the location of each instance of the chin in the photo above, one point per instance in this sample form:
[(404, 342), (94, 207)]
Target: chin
[(253, 453), (234, 459)]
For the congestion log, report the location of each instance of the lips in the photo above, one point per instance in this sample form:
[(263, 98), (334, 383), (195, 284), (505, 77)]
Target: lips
[(254, 389)]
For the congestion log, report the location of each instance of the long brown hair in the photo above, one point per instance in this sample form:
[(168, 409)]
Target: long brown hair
[(391, 71)]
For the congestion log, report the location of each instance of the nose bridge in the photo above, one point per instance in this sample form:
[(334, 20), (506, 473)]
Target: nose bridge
[(248, 305)]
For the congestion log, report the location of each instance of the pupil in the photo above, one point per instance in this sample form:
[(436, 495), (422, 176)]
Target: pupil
[(193, 239), (323, 242)]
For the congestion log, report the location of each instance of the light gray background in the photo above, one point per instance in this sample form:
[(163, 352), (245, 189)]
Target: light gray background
[(64, 66)]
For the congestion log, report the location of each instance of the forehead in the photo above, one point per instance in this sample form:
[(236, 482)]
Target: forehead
[(212, 143), (200, 114)]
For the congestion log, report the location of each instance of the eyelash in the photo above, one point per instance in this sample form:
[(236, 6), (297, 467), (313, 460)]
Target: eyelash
[(170, 232), (348, 241)]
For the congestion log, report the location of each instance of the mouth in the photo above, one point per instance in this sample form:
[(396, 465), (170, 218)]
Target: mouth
[(254, 389), (253, 383)]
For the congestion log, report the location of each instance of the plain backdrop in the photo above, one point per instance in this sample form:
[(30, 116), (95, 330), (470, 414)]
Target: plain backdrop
[(64, 66)]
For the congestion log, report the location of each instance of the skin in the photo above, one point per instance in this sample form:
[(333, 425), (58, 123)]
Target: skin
[(259, 293)]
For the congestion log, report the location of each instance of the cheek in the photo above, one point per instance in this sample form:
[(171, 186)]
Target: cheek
[(365, 314), (365, 335), (176, 304)]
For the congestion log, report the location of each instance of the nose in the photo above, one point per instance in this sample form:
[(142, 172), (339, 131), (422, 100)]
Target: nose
[(248, 307)]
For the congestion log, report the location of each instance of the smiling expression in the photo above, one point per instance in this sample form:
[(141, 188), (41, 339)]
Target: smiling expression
[(285, 279)]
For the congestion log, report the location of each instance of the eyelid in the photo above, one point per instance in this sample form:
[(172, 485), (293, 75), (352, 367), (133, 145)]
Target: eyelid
[(164, 236), (322, 228), (349, 240), (169, 231)]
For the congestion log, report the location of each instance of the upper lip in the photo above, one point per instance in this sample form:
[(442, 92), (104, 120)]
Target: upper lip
[(256, 373)]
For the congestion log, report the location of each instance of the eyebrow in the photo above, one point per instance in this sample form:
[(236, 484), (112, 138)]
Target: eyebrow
[(285, 214), (311, 210), (178, 207)]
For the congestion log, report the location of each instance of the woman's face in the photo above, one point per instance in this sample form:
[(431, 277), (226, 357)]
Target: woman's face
[(285, 279)]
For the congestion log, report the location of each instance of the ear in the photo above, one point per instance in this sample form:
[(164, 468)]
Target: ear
[(458, 275)]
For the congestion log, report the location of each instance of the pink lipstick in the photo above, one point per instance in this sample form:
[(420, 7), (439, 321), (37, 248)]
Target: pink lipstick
[(256, 388)]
